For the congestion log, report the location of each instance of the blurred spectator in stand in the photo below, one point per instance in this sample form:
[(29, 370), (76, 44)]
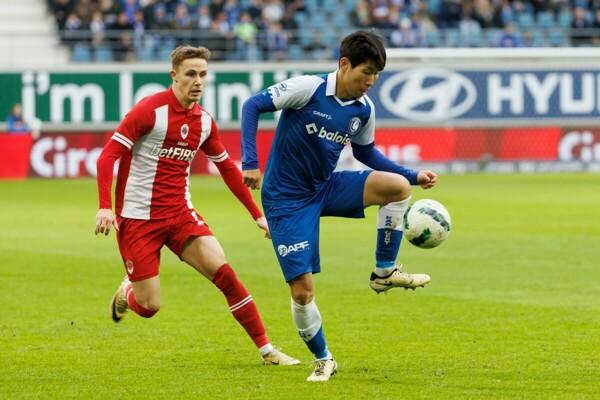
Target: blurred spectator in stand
[(470, 30), (110, 10), (596, 26), (61, 9), (580, 33), (245, 33), (15, 122), (450, 13), (425, 17), (72, 32), (130, 7), (181, 19), (233, 12), (483, 13), (405, 35), (273, 11), (255, 10), (97, 28), (203, 18), (149, 9), (508, 38), (275, 42), (161, 20), (215, 7), (503, 14), (316, 49), (361, 16), (122, 38)]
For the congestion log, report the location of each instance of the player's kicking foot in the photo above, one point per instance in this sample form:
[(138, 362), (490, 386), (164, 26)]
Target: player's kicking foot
[(276, 357), (397, 278), (118, 306), (324, 369)]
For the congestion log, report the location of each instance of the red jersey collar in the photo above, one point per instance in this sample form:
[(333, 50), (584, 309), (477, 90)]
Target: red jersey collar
[(173, 102)]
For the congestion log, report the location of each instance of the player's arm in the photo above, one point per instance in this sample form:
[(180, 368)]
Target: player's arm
[(135, 124), (363, 148), (251, 110), (292, 93), (215, 152), (372, 158), (111, 152)]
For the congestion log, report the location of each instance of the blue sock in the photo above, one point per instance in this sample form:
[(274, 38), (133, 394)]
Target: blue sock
[(388, 246), (317, 345), (389, 236)]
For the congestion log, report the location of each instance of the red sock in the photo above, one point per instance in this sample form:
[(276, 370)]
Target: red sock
[(133, 305), (241, 304)]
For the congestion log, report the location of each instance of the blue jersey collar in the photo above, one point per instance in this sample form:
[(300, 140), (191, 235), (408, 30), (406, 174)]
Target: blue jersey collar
[(330, 90)]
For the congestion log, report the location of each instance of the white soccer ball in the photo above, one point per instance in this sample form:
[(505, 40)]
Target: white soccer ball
[(426, 223)]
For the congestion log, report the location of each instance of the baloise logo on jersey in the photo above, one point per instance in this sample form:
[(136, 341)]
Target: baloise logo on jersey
[(323, 133), (428, 94)]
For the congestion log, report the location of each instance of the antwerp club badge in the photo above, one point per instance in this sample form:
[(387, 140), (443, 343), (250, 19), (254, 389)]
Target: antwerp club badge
[(185, 129)]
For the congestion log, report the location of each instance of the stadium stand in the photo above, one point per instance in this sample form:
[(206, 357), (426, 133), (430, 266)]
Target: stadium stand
[(27, 34), (146, 30)]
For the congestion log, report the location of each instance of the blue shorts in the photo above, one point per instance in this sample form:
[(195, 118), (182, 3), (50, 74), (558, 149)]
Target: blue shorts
[(295, 227)]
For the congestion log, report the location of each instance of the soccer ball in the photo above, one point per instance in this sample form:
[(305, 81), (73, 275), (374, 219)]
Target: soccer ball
[(426, 223)]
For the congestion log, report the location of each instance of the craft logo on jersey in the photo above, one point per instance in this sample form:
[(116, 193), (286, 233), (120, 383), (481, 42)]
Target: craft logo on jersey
[(354, 126), (284, 249), (428, 94), (323, 133), (185, 129)]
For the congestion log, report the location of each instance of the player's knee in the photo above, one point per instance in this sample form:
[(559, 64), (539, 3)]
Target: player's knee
[(302, 296)]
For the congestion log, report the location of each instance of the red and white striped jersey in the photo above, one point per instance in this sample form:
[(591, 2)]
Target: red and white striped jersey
[(163, 136)]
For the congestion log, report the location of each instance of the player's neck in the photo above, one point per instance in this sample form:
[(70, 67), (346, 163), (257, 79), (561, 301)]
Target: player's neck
[(340, 91), (182, 99)]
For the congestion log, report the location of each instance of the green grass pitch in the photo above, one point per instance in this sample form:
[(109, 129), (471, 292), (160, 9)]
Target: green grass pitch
[(512, 312)]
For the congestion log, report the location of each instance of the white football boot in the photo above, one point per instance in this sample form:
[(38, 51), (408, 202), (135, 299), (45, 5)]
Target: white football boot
[(276, 357), (397, 278), (324, 369), (118, 305)]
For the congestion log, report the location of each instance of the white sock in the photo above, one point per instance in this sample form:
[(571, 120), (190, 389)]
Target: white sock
[(266, 349), (307, 318)]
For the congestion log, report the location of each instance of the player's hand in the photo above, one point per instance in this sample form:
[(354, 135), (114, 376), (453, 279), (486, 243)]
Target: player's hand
[(427, 179), (262, 224), (252, 178), (104, 219)]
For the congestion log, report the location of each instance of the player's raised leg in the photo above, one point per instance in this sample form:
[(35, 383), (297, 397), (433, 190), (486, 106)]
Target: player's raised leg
[(392, 192), (205, 254), (309, 323), (142, 297)]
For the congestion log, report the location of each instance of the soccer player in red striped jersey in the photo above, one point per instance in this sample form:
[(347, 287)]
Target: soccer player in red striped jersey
[(156, 143)]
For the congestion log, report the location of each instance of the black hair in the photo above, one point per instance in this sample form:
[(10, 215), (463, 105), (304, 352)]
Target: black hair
[(363, 46)]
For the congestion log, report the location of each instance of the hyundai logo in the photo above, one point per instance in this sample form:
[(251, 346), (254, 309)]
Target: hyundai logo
[(428, 94)]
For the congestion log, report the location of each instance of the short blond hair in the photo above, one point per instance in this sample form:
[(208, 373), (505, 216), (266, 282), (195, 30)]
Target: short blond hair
[(182, 53)]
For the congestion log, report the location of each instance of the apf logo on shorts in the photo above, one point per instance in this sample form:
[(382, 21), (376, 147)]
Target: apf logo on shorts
[(428, 94), (284, 249), (336, 137)]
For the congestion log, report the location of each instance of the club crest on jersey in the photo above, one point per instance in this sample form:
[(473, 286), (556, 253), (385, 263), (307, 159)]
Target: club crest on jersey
[(354, 125), (129, 265), (185, 129)]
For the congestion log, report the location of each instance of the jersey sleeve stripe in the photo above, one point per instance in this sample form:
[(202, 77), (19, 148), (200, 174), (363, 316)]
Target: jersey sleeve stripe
[(123, 142), (123, 138), (221, 157)]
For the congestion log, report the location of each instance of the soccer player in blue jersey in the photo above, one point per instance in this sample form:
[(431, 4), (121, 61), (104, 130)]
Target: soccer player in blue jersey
[(321, 114)]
